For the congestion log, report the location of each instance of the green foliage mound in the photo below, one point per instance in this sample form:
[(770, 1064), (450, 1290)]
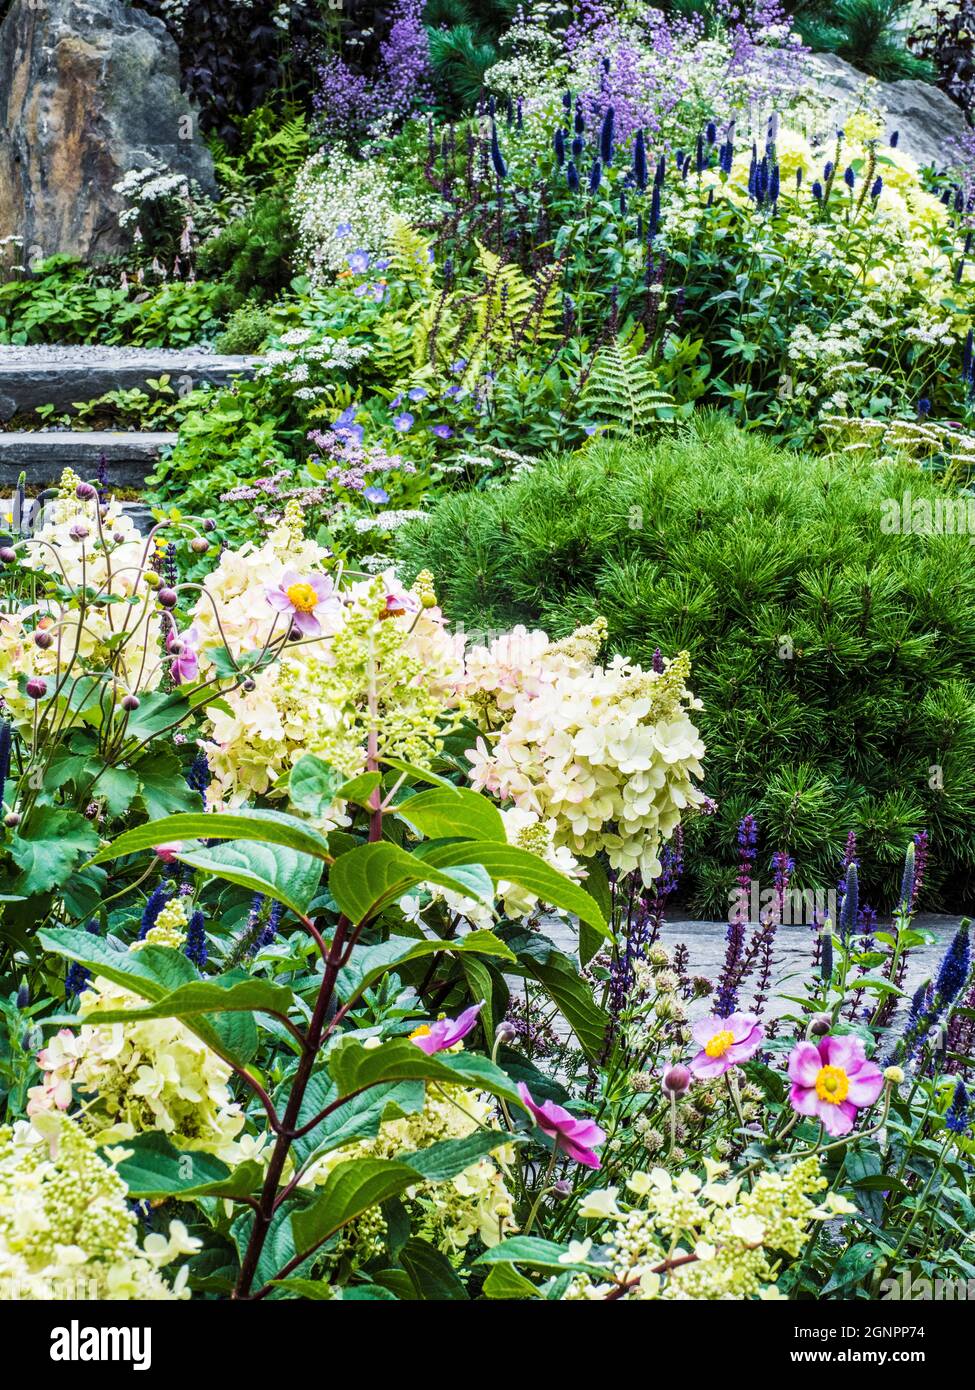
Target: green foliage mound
[(836, 661)]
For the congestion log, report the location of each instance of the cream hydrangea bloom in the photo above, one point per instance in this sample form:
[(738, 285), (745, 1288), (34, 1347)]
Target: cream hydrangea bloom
[(153, 1074), (66, 1230), (606, 752)]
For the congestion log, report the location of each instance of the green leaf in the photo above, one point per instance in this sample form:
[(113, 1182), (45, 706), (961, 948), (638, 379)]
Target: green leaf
[(452, 1156), (225, 993), (163, 789), (151, 973), (350, 1189), (504, 1281), (431, 1273), (155, 1168), (359, 1117), (370, 963), (354, 1068), (508, 862), (529, 1250), (285, 874), (370, 877), (267, 827), (117, 787), (314, 1289), (452, 812), (852, 1267), (312, 784), (560, 979), (481, 984), (48, 847), (418, 774), (597, 886), (359, 789)]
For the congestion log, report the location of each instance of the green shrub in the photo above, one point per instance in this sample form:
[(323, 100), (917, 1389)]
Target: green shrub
[(246, 330), (253, 255), (836, 662)]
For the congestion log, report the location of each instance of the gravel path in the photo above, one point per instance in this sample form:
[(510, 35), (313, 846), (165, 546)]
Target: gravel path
[(44, 354)]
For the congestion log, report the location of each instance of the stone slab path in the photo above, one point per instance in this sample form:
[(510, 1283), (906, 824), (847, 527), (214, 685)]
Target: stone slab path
[(63, 376), (43, 454)]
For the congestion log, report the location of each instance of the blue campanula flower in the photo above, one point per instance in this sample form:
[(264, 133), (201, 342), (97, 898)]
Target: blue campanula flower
[(418, 393), (441, 431)]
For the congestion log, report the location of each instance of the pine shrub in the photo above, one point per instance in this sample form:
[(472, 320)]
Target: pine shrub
[(836, 661)]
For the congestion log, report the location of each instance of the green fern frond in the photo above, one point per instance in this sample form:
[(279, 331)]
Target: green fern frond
[(622, 394)]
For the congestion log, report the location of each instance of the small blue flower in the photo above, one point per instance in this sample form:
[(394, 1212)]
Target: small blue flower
[(375, 494), (358, 262), (459, 366), (344, 229), (403, 423), (817, 190), (417, 393), (441, 431), (849, 177), (923, 408)]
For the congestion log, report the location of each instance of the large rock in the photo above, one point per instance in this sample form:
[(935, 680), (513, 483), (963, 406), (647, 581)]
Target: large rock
[(89, 89), (930, 123)]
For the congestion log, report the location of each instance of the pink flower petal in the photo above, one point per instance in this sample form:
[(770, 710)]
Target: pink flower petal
[(846, 1052), (804, 1065), (837, 1119), (804, 1100), (865, 1085)]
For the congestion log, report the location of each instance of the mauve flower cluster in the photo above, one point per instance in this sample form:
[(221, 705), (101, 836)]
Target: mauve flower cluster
[(356, 465)]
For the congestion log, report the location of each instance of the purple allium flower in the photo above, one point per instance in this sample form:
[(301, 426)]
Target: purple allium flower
[(403, 422), (578, 1139), (437, 1037), (306, 600), (724, 1043), (832, 1080)]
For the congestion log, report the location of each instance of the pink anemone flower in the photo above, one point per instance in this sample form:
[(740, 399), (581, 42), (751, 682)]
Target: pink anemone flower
[(437, 1037), (185, 665), (577, 1138), (832, 1080), (305, 600), (724, 1043)]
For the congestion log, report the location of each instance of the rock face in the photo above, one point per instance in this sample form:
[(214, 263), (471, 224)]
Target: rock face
[(929, 122), (89, 89)]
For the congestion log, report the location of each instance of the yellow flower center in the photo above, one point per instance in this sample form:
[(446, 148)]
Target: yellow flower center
[(303, 597), (421, 1032), (719, 1044), (832, 1084)]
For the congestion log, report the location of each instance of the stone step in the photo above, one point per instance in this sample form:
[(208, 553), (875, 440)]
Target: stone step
[(62, 377), (43, 454)]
